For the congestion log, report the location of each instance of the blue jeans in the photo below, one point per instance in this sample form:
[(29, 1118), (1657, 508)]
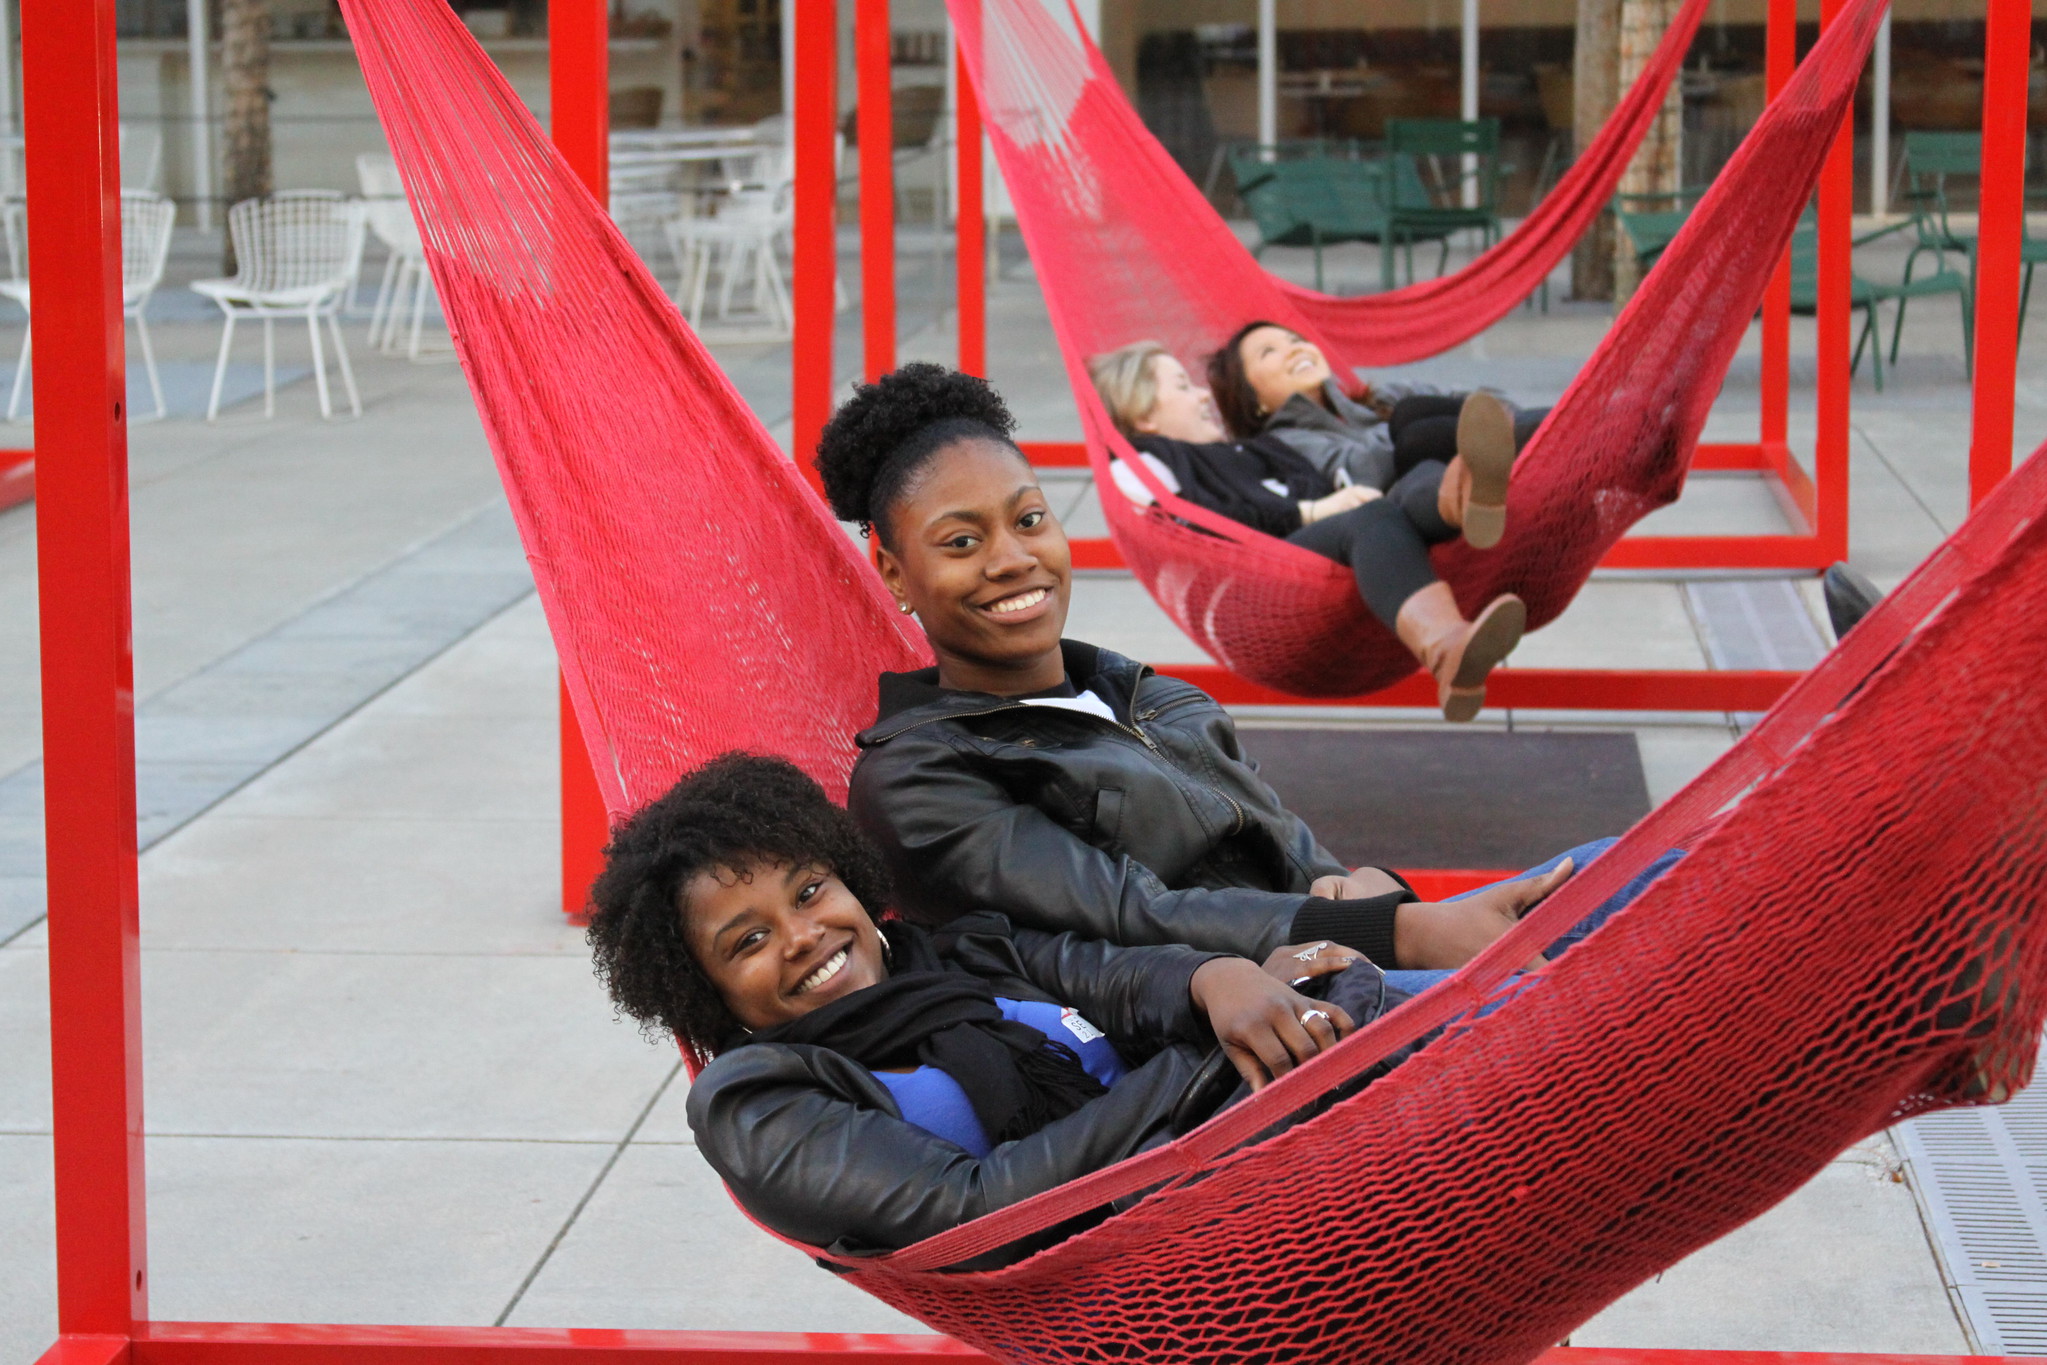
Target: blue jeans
[(1415, 982)]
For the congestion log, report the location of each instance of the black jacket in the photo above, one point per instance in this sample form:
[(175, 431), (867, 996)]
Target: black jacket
[(1231, 477), (814, 1146), (1156, 829)]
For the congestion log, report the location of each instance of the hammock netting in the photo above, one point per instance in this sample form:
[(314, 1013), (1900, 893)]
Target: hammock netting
[(1125, 248), (1033, 60), (1856, 934)]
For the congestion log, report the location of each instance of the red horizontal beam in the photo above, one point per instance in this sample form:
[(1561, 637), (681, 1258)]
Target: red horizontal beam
[(1718, 552), (247, 1343), (1441, 883), (1054, 454), (1636, 552), (17, 477), (1551, 689), (196, 1343)]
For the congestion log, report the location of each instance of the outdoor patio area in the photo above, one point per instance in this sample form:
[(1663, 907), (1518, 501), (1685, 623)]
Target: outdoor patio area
[(382, 1083)]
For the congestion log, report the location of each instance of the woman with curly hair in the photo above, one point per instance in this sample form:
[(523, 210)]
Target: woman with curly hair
[(1416, 444), (868, 1084), (1052, 781), (1383, 539)]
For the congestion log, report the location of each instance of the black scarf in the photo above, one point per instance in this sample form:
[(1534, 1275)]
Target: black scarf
[(1016, 1079)]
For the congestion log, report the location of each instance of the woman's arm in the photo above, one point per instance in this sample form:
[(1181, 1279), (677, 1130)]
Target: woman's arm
[(781, 1126), (1205, 485), (957, 842)]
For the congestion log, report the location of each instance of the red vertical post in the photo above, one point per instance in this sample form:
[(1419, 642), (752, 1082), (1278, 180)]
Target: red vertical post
[(970, 262), (1830, 324), (877, 189), (816, 130), (88, 675), (579, 101), (2001, 229), (1780, 55)]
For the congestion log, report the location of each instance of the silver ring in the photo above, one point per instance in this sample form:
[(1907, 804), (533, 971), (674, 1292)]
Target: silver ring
[(1315, 1014), (1310, 953)]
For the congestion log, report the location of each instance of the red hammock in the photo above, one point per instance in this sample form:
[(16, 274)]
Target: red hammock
[(1777, 996), (1124, 250), (1039, 66)]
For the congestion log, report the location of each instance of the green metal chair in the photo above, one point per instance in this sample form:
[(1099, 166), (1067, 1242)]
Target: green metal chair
[(1868, 296), (1434, 209), (1650, 230), (1316, 194), (1312, 200)]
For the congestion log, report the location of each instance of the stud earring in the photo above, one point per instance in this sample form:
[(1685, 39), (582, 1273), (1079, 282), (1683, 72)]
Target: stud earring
[(905, 608)]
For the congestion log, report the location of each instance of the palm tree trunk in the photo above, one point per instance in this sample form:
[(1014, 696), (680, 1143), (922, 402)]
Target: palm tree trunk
[(1658, 166), (1595, 85), (245, 89)]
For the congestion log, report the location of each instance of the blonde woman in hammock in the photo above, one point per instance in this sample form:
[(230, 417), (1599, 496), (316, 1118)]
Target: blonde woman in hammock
[(1382, 537)]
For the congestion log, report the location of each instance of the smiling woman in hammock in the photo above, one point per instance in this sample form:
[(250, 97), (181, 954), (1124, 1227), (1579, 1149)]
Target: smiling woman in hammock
[(1405, 440), (1383, 539), (869, 1085), (1055, 782)]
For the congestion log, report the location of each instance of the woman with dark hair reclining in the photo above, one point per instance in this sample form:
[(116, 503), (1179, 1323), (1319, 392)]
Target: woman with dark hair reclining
[(1403, 439), (1052, 781), (1383, 539), (871, 1084)]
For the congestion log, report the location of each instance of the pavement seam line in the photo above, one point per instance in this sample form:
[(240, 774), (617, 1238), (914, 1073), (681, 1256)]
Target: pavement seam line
[(583, 1203), (305, 743)]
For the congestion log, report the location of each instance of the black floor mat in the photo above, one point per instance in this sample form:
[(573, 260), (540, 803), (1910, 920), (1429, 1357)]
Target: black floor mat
[(1434, 798)]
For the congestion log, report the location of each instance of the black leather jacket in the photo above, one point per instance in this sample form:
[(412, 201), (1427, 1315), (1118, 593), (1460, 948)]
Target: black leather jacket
[(1155, 828), (814, 1146)]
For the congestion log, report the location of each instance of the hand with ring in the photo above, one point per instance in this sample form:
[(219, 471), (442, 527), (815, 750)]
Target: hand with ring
[(1298, 962), (1265, 1028)]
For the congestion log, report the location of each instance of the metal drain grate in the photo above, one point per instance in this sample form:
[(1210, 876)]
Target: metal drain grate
[(1980, 1176), (1755, 623)]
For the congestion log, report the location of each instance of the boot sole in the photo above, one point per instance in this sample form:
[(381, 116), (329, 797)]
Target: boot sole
[(1485, 438), (1498, 630)]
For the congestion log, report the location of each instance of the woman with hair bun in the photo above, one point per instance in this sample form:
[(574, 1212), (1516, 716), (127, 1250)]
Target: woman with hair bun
[(1382, 538), (1056, 782)]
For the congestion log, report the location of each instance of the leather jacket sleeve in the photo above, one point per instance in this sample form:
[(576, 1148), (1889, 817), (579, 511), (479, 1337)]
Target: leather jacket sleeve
[(1138, 996), (957, 842), (814, 1148)]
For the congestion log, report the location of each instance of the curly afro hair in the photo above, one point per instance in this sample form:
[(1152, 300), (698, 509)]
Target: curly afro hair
[(889, 428), (739, 811)]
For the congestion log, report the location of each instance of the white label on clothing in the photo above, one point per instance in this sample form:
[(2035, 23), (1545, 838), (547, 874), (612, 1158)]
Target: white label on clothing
[(1077, 1026), (1275, 487), (1088, 703)]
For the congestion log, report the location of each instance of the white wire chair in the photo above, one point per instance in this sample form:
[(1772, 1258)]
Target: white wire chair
[(296, 255), (146, 219), (407, 286), (739, 243)]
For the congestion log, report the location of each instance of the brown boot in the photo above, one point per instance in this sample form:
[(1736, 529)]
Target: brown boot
[(1473, 495), (1456, 652)]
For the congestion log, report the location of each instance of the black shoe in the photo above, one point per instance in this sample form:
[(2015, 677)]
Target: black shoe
[(1849, 597)]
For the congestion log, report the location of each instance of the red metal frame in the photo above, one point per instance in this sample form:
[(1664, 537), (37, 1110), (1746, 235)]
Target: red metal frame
[(876, 115), (970, 245), (17, 477), (816, 126), (68, 59), (579, 113), (1817, 501), (2007, 52)]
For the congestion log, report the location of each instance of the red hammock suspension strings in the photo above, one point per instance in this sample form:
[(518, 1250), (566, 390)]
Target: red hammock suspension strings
[(700, 596), (1120, 258)]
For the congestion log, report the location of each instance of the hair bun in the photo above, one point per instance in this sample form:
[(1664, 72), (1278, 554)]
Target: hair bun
[(880, 418)]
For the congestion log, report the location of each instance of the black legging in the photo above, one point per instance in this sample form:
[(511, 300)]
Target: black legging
[(1386, 541), (1383, 545)]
